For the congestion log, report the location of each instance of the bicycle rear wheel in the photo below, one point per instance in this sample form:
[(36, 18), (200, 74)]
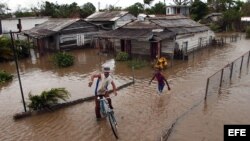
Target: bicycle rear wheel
[(113, 124)]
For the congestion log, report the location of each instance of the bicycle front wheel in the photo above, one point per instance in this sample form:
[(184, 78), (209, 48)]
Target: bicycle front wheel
[(113, 124)]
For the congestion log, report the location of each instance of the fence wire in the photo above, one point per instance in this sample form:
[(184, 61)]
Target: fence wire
[(228, 74)]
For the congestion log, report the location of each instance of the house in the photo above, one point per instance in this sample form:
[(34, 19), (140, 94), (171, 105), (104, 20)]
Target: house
[(143, 38), (110, 20), (159, 36), (245, 22), (178, 9), (189, 35), (59, 34)]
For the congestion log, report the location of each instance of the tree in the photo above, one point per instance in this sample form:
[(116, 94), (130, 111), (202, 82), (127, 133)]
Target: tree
[(2, 8), (87, 9), (148, 2), (231, 19), (60, 11), (158, 8), (198, 10), (4, 11), (48, 9), (135, 9), (246, 9)]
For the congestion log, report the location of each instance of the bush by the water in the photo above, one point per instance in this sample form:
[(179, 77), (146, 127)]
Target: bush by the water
[(6, 53), (4, 76), (248, 32), (47, 98), (137, 63), (122, 56), (63, 59)]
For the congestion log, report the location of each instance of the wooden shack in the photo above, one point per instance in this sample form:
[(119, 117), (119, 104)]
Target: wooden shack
[(59, 34), (158, 36)]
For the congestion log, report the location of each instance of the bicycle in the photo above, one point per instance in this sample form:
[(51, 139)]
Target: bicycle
[(107, 112)]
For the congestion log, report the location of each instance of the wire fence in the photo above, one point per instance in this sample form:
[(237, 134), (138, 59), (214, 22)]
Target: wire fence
[(228, 74)]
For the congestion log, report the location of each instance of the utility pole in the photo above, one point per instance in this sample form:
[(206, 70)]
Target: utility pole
[(17, 68), (19, 26)]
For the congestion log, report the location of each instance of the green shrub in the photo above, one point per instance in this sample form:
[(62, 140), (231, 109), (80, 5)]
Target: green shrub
[(122, 56), (4, 76), (215, 27), (47, 98), (137, 63), (6, 53), (248, 32), (63, 59)]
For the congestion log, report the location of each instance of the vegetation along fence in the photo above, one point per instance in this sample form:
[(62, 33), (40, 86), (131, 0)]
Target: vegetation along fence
[(228, 74)]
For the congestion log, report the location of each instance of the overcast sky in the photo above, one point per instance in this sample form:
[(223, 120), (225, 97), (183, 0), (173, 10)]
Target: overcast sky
[(13, 4)]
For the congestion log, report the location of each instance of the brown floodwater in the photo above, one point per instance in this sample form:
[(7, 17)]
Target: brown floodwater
[(142, 114)]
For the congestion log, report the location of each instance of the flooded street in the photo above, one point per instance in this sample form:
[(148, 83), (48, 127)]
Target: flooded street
[(142, 114)]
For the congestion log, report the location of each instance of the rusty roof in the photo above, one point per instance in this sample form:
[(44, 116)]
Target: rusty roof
[(106, 16), (49, 27)]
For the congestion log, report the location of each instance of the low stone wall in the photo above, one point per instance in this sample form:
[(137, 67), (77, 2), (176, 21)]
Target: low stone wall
[(63, 105)]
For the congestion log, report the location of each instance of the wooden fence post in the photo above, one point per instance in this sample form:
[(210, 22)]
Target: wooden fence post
[(221, 77), (207, 88), (231, 70), (242, 58)]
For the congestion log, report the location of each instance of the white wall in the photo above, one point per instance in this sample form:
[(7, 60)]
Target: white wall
[(193, 39)]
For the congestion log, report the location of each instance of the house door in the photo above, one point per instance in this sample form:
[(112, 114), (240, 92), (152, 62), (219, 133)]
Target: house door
[(123, 45), (126, 46), (153, 49)]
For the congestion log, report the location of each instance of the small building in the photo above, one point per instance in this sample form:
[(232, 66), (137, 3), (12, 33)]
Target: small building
[(245, 22), (159, 36), (189, 35), (178, 9), (59, 34), (110, 20)]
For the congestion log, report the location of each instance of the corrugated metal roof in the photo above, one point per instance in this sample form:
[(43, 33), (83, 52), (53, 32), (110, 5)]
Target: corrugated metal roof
[(106, 16), (179, 24), (170, 26), (49, 27), (138, 34), (141, 25)]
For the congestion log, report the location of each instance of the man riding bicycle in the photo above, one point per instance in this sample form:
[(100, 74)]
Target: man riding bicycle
[(103, 81)]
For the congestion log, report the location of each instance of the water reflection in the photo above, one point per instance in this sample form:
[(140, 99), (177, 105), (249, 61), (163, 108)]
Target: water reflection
[(139, 109)]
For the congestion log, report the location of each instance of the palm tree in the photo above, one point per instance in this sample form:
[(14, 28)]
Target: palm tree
[(47, 98)]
